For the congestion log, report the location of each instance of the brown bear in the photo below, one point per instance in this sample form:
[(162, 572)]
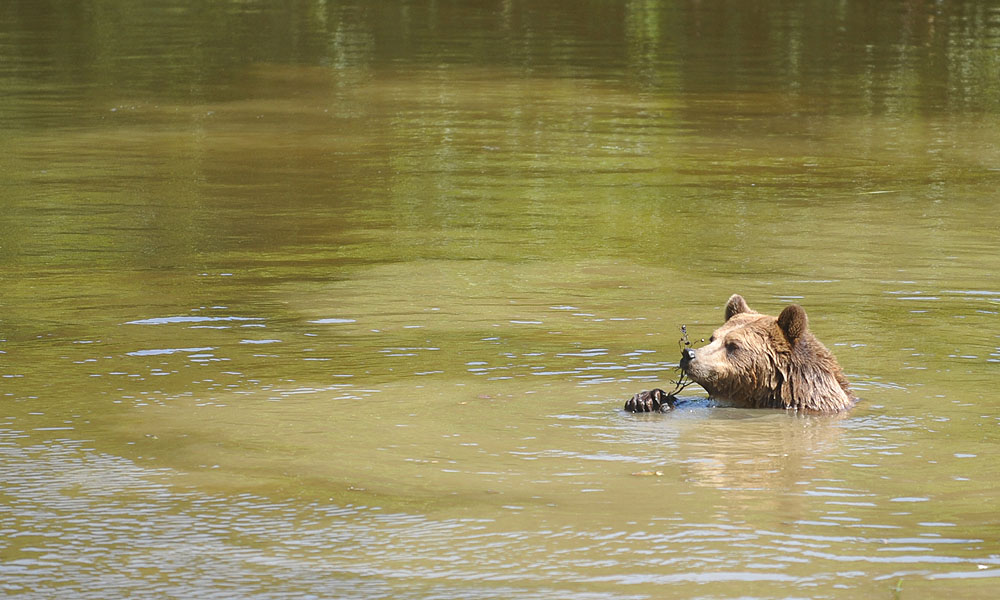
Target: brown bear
[(759, 361)]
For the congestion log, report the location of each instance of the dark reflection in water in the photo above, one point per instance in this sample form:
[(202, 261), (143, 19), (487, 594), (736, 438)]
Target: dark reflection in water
[(850, 56)]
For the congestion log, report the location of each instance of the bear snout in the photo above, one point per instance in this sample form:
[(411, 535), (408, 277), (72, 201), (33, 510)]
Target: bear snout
[(687, 355)]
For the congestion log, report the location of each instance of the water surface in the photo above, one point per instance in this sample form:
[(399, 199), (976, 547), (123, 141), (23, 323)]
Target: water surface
[(343, 300)]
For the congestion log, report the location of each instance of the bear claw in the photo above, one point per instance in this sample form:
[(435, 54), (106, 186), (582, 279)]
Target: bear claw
[(655, 400)]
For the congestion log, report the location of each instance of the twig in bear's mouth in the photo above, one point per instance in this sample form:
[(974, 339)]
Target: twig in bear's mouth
[(680, 383), (684, 342), (657, 400)]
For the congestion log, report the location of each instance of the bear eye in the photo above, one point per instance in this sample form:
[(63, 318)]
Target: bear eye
[(732, 347), (711, 339)]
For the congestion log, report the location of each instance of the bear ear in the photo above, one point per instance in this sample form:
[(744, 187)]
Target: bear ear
[(793, 322), (735, 306)]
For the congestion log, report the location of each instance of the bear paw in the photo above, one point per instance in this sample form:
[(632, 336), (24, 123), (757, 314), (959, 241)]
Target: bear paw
[(655, 400)]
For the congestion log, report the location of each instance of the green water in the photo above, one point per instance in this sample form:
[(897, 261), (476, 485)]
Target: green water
[(343, 299)]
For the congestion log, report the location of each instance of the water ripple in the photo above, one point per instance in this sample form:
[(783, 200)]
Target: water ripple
[(189, 319)]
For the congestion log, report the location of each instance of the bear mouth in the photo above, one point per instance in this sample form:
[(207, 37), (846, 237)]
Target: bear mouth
[(689, 368)]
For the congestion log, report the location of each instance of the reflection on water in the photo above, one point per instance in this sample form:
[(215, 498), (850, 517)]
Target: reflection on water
[(74, 512), (343, 299)]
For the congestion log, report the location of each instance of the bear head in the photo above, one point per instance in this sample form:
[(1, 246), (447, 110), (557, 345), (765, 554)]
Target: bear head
[(760, 361)]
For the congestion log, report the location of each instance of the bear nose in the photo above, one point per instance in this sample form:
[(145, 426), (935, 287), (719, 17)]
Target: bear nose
[(688, 353)]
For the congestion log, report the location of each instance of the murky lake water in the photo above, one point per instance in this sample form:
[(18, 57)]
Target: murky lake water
[(343, 299)]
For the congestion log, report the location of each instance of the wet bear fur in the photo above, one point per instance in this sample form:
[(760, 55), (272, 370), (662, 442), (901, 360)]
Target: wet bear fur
[(760, 361)]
